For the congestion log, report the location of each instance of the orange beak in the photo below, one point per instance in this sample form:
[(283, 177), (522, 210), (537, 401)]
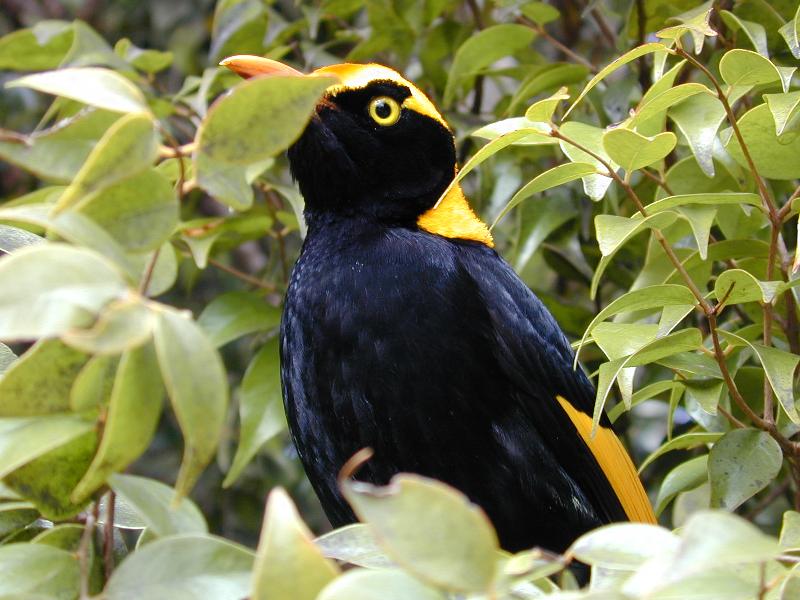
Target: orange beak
[(256, 66)]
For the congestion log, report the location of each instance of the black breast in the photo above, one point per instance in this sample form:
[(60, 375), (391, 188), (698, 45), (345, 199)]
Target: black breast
[(387, 343)]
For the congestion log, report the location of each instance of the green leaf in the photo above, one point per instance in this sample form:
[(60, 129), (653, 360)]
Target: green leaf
[(623, 545), (92, 386), (233, 136), (24, 439), (705, 393), (717, 538), (480, 51), (546, 77), (784, 107), (39, 48), (791, 34), (38, 571), (616, 64), (740, 67), (695, 22), (684, 340), (589, 137), (131, 420), (140, 212), (354, 544), (755, 32), (94, 86), (288, 565), (123, 325), (15, 516), (738, 286), (613, 232), (75, 228), (195, 380), (153, 503), (149, 61), (380, 584), (740, 465), (14, 238), (47, 288), (648, 392), (39, 382), (774, 156), (542, 110), (700, 219), (540, 12), (698, 118), (704, 199), (790, 531), (48, 480), (633, 151), (779, 367), (234, 314), (686, 476), (56, 154), (490, 149), (682, 442), (622, 339), (652, 106), (128, 147), (551, 178), (651, 297), (539, 137), (429, 528), (189, 567), (260, 408)]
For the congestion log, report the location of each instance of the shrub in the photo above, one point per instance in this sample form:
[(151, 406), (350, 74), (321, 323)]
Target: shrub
[(656, 216)]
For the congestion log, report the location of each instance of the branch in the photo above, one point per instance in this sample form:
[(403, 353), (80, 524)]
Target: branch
[(564, 49), (676, 262)]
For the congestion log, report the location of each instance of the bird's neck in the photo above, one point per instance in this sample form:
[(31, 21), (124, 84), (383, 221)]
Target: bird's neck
[(451, 218), (454, 218)]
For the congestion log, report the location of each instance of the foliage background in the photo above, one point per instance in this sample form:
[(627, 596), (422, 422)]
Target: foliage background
[(232, 276)]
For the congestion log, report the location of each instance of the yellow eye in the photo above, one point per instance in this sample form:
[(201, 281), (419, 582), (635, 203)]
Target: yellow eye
[(384, 110)]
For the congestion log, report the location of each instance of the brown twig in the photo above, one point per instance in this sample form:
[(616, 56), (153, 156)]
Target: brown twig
[(242, 275), (568, 52), (108, 534), (84, 547)]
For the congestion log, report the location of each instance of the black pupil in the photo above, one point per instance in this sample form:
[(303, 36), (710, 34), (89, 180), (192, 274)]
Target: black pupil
[(383, 109)]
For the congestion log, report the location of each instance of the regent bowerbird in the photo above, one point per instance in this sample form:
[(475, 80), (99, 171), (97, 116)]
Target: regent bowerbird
[(406, 332)]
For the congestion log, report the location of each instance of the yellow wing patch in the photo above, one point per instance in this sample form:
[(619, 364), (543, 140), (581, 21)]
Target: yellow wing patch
[(354, 77), (453, 218), (615, 463)]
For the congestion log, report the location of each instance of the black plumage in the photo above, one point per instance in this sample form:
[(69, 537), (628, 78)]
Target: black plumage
[(422, 344)]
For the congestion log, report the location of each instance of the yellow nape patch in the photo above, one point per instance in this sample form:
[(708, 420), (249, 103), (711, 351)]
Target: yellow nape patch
[(354, 76), (453, 218), (613, 459)]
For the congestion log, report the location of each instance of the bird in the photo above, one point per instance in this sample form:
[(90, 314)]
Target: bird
[(406, 332)]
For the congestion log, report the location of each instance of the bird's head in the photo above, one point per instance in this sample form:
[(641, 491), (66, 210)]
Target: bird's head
[(377, 147)]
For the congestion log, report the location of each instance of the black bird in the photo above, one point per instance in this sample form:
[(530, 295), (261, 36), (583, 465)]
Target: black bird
[(404, 331)]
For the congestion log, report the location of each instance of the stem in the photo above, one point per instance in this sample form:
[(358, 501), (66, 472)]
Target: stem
[(604, 27), (177, 151), (676, 262), (242, 275), (148, 275), (769, 206), (83, 550), (108, 534), (659, 181), (564, 49)]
